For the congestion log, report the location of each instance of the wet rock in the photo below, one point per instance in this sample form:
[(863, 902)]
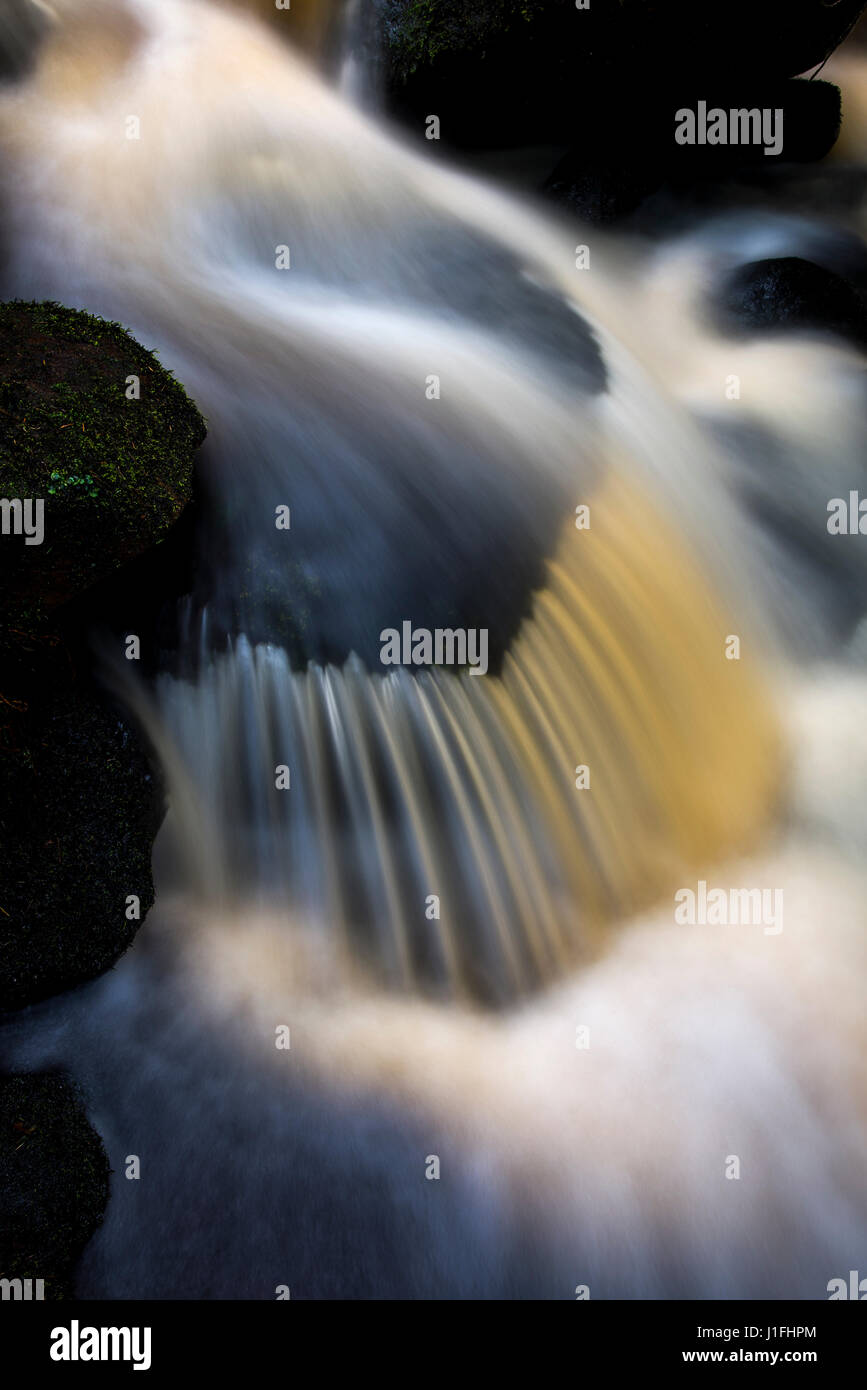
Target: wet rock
[(96, 461), (790, 292), (509, 72), (597, 193), (640, 154), (774, 38), (113, 469), (54, 1178), (81, 805)]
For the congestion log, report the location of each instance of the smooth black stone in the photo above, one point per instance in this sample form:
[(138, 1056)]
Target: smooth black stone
[(790, 292)]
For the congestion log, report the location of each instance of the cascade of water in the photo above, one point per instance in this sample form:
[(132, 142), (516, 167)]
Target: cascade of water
[(416, 385), (434, 822), (432, 838)]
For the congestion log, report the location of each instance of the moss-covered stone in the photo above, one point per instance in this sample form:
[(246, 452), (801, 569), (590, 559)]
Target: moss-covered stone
[(54, 1178), (80, 803), (114, 472), (521, 72), (420, 31), (781, 38)]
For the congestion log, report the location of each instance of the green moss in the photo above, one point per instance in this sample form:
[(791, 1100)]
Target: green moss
[(419, 31), (79, 801), (114, 472), (54, 1180), (779, 38)]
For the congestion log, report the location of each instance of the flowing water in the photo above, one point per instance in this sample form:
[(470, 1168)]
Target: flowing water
[(432, 856)]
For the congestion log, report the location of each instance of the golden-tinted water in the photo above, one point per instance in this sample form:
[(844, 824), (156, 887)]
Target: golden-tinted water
[(429, 783)]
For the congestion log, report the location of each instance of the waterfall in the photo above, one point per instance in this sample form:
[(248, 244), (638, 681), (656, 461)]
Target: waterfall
[(360, 55), (418, 370), (450, 508), (436, 788)]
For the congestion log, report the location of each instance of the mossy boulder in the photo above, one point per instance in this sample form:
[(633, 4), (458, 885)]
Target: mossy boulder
[(54, 1180), (498, 73), (80, 801), (520, 72), (418, 32), (779, 37), (95, 427)]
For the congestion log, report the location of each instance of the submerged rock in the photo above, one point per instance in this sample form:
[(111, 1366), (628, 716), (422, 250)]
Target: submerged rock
[(54, 1178)]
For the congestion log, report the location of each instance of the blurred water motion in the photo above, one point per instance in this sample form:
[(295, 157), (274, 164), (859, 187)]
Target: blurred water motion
[(450, 509), (427, 783), (307, 907)]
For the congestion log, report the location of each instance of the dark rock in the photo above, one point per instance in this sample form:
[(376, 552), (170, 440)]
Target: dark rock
[(507, 72), (774, 38), (80, 803), (778, 38), (601, 192), (498, 73), (638, 154), (809, 125), (54, 1179), (114, 473), (789, 292)]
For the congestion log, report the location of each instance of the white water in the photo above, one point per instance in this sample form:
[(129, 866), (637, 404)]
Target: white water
[(559, 1166)]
